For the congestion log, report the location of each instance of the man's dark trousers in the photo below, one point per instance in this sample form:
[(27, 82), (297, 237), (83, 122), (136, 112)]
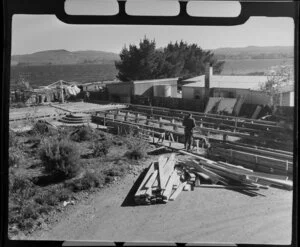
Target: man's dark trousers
[(188, 138)]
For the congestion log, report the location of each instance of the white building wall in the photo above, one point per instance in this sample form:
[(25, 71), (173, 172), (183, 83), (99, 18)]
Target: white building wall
[(292, 98)]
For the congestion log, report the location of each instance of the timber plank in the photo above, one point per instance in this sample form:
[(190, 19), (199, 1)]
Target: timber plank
[(161, 163), (151, 180), (167, 192), (148, 174), (177, 191)]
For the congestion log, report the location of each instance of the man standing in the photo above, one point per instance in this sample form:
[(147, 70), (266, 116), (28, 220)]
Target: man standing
[(189, 125)]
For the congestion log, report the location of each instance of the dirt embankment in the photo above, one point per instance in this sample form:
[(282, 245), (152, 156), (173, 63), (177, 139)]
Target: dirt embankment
[(203, 215)]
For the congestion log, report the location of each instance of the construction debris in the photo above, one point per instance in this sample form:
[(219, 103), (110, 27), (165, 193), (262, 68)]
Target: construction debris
[(165, 179)]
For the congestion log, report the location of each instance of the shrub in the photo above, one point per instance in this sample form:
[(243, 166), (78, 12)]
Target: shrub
[(42, 128), (12, 139), (48, 197), (88, 181), (100, 148), (83, 134), (137, 147), (15, 157), (29, 211), (60, 157), (20, 105), (116, 171), (21, 187)]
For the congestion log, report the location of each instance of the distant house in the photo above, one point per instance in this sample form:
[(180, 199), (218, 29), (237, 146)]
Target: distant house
[(124, 91), (226, 86)]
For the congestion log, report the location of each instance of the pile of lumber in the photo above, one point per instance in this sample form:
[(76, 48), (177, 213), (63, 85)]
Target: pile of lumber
[(161, 183), (231, 176), (164, 179)]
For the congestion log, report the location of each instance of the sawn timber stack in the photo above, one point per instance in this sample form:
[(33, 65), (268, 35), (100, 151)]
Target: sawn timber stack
[(160, 183)]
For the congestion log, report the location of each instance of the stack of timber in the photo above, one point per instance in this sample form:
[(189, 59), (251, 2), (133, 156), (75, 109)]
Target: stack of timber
[(231, 176), (162, 182)]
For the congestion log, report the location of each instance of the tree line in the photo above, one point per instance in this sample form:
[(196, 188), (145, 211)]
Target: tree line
[(177, 59)]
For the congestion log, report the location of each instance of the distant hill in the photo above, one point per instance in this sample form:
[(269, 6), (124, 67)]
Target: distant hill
[(255, 52), (64, 57)]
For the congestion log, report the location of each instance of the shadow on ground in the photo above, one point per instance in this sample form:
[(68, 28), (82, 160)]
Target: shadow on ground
[(46, 180), (129, 199)]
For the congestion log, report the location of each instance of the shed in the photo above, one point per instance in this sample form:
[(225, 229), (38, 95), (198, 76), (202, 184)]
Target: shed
[(123, 91)]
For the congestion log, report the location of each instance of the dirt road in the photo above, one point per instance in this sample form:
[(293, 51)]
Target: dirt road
[(202, 215)]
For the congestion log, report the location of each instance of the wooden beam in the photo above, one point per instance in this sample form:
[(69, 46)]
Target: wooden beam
[(177, 191), (203, 175), (151, 180), (288, 185), (217, 186), (161, 163), (148, 174), (200, 130), (167, 192), (255, 159), (259, 151), (235, 167)]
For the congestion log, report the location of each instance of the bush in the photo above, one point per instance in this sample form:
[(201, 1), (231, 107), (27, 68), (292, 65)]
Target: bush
[(64, 195), (19, 105), (100, 148), (83, 134), (29, 211), (42, 128), (15, 157), (88, 181), (137, 147), (60, 157), (21, 187), (12, 139), (50, 197), (116, 171)]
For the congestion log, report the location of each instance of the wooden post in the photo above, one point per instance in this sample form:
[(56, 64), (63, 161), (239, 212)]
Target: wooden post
[(104, 122), (153, 136), (197, 145), (137, 117)]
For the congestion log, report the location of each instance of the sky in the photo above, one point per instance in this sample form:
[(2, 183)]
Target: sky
[(32, 33)]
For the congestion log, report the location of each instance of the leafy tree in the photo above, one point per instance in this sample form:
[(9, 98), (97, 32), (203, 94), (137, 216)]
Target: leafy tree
[(21, 84), (278, 78), (138, 63), (176, 60)]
